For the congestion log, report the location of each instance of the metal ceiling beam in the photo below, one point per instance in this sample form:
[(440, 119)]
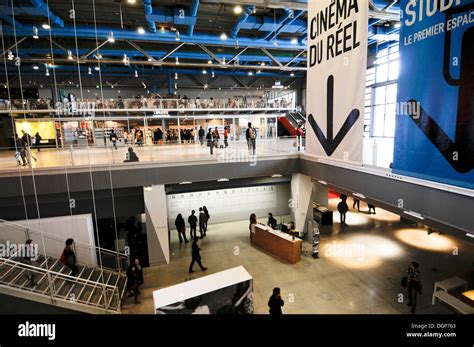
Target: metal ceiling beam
[(161, 60), (212, 55), (196, 80), (94, 50), (239, 82), (41, 5), (213, 80), (294, 58), (142, 51), (237, 55), (13, 46), (10, 20), (271, 56)]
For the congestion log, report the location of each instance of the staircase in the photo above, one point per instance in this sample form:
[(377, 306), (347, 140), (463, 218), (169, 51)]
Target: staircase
[(93, 290)]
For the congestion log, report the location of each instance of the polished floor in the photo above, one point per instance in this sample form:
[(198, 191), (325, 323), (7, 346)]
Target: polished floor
[(359, 271), (77, 157)]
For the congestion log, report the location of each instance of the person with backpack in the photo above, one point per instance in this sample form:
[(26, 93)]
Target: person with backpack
[(113, 137), (251, 136), (181, 227), (192, 220), (202, 222), (68, 258)]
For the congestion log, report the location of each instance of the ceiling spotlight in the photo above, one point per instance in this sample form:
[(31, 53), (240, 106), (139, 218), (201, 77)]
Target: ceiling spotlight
[(238, 9), (46, 26), (89, 71), (205, 86), (131, 1), (259, 71), (112, 86), (162, 29), (212, 74), (150, 59), (69, 55), (35, 32), (175, 75), (250, 73), (262, 64), (97, 86), (10, 55), (177, 61), (294, 41), (223, 36), (47, 72), (254, 11), (204, 71), (35, 67), (140, 30), (99, 56), (223, 61), (209, 61), (177, 35), (292, 74), (125, 60), (96, 68), (136, 73), (111, 37)]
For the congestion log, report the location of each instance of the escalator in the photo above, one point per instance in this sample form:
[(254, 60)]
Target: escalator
[(288, 123)]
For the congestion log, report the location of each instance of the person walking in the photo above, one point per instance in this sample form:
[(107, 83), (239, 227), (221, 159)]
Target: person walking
[(196, 256), (275, 303), (299, 137), (253, 221), (29, 257), (371, 207), (192, 220), (210, 141), (413, 284), (216, 137), (38, 139), (356, 203), (201, 134), (26, 138), (181, 227), (226, 136), (202, 222), (21, 153), (68, 257), (204, 208), (343, 208), (251, 135), (134, 280), (113, 138)]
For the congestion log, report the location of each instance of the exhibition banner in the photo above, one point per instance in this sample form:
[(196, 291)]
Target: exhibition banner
[(434, 137), (337, 60)]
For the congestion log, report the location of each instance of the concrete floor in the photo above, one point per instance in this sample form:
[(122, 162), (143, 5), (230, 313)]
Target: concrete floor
[(359, 271), (237, 151)]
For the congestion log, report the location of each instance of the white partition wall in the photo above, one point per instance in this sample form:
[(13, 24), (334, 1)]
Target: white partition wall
[(301, 203), (55, 231), (156, 224)]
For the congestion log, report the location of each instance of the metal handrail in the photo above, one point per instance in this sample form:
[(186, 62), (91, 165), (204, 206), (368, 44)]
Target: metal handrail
[(57, 274)]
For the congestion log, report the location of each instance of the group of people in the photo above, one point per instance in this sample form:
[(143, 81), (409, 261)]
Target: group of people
[(193, 221), (23, 145), (343, 208), (213, 137)]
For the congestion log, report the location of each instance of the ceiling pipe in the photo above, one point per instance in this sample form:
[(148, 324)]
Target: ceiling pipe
[(148, 11), (40, 4), (242, 19), (279, 23), (194, 10)]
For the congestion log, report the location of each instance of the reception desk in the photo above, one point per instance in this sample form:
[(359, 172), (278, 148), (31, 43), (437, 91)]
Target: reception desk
[(276, 242)]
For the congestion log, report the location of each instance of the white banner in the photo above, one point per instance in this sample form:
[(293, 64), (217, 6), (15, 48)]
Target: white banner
[(337, 60)]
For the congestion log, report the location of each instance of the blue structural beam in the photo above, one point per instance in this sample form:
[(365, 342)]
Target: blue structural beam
[(148, 11), (41, 5), (10, 20), (242, 19), (167, 36), (275, 26), (23, 51), (288, 22), (194, 10)]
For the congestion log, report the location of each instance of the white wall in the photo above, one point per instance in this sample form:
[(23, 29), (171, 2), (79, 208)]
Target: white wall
[(156, 225), (55, 231), (301, 194), (233, 204)]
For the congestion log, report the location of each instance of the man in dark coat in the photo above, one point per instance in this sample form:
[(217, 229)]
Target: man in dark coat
[(196, 256)]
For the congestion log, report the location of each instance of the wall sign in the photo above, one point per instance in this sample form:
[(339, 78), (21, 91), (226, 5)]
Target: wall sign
[(337, 60), (434, 136)]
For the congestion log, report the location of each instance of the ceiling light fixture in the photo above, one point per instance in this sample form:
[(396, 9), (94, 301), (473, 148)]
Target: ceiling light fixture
[(223, 180), (35, 67), (69, 55), (10, 55), (131, 1), (97, 68), (398, 25), (140, 30), (111, 37), (125, 60), (177, 35), (259, 71), (209, 61), (185, 182), (46, 26), (324, 183), (223, 36), (177, 61), (223, 61), (277, 175), (414, 214), (136, 73), (238, 9), (89, 71), (162, 29), (359, 195), (292, 74), (175, 75), (250, 73), (47, 72), (294, 41), (213, 74), (35, 33), (204, 71), (206, 86)]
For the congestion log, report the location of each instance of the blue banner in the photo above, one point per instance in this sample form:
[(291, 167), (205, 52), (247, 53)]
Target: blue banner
[(434, 137)]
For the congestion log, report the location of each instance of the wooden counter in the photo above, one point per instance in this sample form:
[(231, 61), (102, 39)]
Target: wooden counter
[(276, 242)]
